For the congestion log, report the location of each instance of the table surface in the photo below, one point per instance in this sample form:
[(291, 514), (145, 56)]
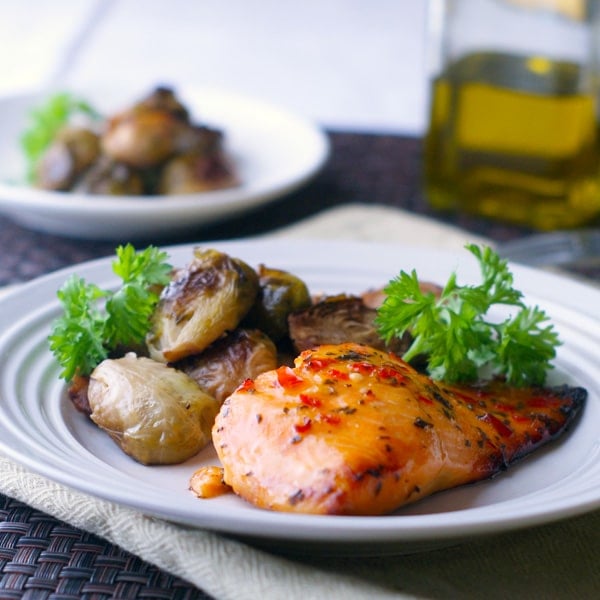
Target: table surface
[(358, 73)]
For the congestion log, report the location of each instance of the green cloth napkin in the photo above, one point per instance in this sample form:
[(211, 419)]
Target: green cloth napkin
[(554, 561)]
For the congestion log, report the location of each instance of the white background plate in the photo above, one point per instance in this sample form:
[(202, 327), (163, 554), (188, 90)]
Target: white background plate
[(274, 152), (39, 428)]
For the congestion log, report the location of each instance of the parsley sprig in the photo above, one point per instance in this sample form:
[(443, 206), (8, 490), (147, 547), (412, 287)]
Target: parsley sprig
[(46, 120), (455, 333), (96, 321)]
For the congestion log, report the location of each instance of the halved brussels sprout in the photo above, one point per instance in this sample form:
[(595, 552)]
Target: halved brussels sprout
[(145, 134), (221, 368), (339, 319), (73, 151), (196, 171), (204, 301), (281, 293), (155, 413), (110, 178)]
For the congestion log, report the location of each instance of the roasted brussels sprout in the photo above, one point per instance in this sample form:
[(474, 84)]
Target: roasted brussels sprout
[(196, 172), (164, 98), (70, 154), (156, 414), (151, 147), (155, 129), (77, 392), (205, 300), (111, 178), (281, 293), (221, 368), (339, 319), (141, 139)]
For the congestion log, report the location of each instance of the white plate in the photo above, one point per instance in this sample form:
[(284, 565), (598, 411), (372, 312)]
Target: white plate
[(39, 427), (274, 153)]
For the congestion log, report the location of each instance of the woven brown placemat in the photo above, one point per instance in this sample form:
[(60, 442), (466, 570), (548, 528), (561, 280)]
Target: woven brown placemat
[(41, 557)]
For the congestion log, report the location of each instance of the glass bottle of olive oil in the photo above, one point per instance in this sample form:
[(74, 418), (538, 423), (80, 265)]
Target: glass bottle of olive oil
[(514, 136)]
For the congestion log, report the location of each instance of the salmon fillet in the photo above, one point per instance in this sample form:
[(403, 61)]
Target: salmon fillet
[(354, 430)]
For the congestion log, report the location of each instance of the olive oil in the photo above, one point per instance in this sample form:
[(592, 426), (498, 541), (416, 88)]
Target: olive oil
[(512, 138)]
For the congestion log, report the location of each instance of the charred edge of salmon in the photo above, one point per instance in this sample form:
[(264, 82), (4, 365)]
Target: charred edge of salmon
[(575, 399), (577, 395)]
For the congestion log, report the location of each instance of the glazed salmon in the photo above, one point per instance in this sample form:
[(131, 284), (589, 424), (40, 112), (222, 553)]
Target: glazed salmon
[(354, 430)]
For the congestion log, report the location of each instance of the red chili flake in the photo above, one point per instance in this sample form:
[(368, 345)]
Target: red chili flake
[(390, 373), (505, 407), (287, 378), (304, 426), (502, 429), (246, 386), (310, 400), (315, 364), (337, 374), (362, 367), (331, 419), (424, 399)]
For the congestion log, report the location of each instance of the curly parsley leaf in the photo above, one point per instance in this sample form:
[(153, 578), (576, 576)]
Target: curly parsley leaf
[(130, 308), (76, 338), (46, 120), (455, 334), (87, 332), (526, 345)]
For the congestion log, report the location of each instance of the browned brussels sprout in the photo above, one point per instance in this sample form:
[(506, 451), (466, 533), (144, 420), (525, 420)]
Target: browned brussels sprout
[(70, 154), (221, 368), (205, 300), (196, 172), (281, 293), (141, 139), (153, 130), (156, 414), (150, 147), (112, 179), (339, 319), (163, 98)]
